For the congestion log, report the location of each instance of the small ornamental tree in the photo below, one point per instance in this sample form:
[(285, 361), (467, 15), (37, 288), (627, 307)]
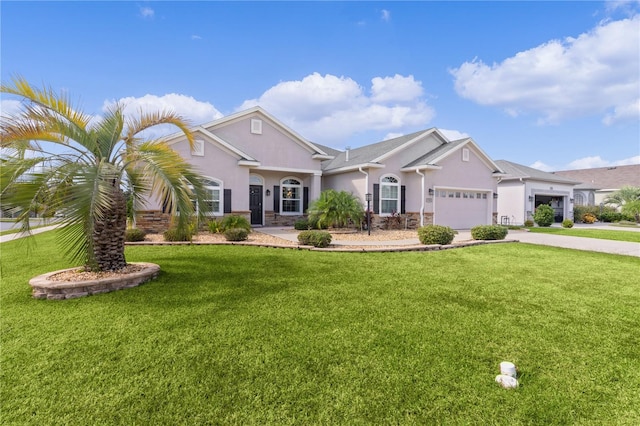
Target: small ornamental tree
[(337, 209), (544, 215)]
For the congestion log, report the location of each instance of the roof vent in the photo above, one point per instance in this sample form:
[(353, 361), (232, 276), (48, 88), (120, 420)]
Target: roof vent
[(346, 153)]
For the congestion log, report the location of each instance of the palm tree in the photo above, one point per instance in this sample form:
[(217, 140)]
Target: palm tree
[(336, 209), (627, 199), (55, 155)]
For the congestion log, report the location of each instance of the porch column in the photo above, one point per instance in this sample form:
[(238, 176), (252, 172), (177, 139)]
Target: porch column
[(316, 186)]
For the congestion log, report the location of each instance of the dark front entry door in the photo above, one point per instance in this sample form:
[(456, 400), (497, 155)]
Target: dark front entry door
[(255, 204)]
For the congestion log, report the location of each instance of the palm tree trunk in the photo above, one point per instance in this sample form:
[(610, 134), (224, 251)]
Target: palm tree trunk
[(109, 234)]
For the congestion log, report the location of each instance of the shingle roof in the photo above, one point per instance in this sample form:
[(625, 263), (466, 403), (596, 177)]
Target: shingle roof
[(368, 153), (436, 153), (604, 177), (518, 171)]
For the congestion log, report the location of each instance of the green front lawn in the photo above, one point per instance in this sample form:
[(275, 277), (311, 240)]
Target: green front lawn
[(249, 335), (602, 234)]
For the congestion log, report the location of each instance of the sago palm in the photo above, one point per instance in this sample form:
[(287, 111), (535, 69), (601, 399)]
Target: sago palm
[(75, 163), (336, 208)]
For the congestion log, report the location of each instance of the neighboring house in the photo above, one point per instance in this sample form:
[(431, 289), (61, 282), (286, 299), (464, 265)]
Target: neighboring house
[(597, 184), (258, 167), (524, 188)]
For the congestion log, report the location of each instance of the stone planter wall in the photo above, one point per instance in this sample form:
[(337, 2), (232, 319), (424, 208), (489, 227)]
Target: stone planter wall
[(45, 288)]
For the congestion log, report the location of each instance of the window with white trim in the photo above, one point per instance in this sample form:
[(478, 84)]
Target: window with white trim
[(389, 195), (578, 199), (291, 196), (214, 197)]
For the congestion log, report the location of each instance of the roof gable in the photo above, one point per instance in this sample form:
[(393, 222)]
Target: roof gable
[(518, 171)]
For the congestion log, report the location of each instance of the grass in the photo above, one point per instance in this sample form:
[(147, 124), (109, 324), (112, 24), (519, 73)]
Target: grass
[(248, 335), (601, 234)]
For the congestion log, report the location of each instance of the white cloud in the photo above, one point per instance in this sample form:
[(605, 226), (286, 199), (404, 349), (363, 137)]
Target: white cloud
[(541, 166), (595, 73), (329, 109), (196, 37), (385, 15), (396, 88), (453, 135), (10, 107), (147, 12), (196, 112), (623, 113)]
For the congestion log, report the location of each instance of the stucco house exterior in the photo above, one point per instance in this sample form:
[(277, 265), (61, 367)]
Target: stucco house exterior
[(522, 189), (256, 166), (598, 183)]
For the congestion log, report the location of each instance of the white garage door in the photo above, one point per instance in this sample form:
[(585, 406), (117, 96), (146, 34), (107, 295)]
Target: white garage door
[(460, 209)]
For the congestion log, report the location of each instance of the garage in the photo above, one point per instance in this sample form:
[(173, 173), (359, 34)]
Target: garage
[(461, 209)]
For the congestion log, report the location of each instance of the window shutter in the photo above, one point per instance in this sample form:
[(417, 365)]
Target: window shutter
[(376, 198), (402, 199), (305, 199), (276, 198), (227, 201)]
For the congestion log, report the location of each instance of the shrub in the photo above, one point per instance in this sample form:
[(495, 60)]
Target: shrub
[(214, 226), (489, 232), (235, 221), (567, 223), (436, 234), (336, 208), (528, 223), (301, 225), (315, 238), (589, 218), (544, 215), (614, 216), (134, 234), (173, 234), (236, 234)]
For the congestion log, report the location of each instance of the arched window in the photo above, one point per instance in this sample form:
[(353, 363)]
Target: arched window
[(578, 199), (592, 199), (389, 195), (214, 197), (290, 196)]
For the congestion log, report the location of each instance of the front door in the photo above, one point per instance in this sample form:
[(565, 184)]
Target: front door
[(255, 204)]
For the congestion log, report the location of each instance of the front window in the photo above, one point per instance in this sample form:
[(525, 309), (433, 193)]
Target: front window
[(291, 196), (213, 199), (579, 199), (389, 195)]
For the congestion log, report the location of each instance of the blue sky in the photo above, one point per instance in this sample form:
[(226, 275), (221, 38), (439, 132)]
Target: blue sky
[(554, 85)]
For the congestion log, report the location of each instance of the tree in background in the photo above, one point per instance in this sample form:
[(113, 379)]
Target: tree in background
[(627, 199), (336, 209), (57, 156)]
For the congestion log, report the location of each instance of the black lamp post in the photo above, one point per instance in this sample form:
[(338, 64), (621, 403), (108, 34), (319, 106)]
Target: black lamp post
[(367, 197)]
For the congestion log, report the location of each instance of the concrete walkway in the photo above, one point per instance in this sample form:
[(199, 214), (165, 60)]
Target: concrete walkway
[(15, 236)]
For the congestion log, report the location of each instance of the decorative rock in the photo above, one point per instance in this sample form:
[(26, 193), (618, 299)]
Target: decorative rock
[(507, 382)]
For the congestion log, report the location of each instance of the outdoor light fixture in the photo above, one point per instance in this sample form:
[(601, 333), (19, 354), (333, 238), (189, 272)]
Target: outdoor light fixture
[(571, 200), (530, 198), (495, 195), (367, 197), (268, 192), (430, 191)]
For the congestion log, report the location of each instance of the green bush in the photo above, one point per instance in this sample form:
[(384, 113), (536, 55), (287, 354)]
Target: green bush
[(236, 234), (528, 223), (315, 238), (489, 232), (436, 234), (567, 223), (339, 209), (214, 226), (134, 234), (614, 216), (301, 225), (544, 215), (235, 221), (173, 234)]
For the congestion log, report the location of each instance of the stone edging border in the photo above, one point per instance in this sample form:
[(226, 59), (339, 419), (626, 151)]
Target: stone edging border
[(342, 249), (45, 288)]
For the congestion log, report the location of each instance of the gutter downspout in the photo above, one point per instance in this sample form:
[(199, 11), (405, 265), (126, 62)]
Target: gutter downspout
[(366, 179), (421, 198)]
